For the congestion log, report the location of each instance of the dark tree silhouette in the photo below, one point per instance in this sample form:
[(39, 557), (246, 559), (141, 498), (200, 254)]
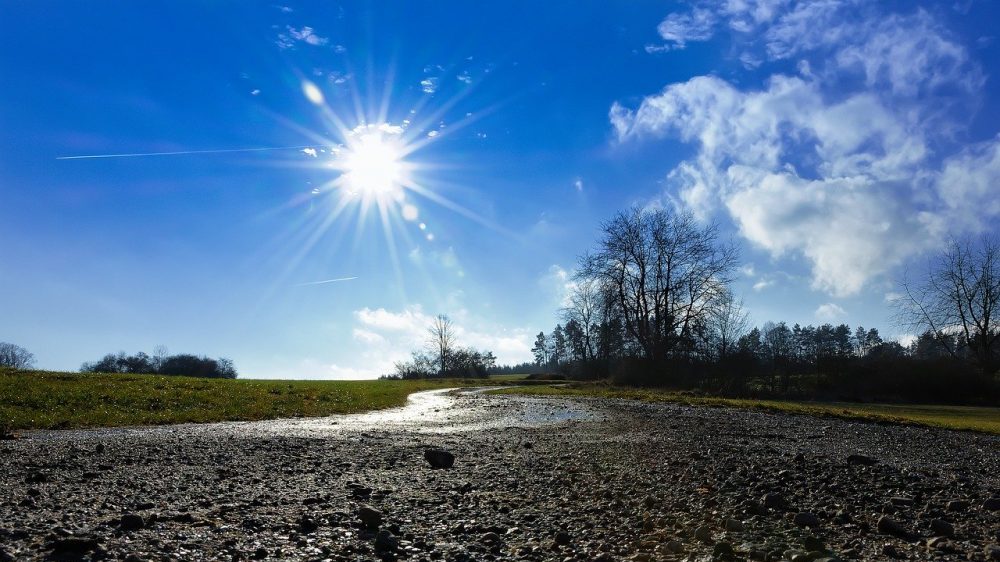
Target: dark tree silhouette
[(15, 357)]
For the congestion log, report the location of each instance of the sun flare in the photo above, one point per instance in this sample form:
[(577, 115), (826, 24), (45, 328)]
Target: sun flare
[(372, 162)]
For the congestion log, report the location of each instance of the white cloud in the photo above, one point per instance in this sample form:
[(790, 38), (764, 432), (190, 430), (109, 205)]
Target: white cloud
[(829, 312), (306, 35), (578, 184), (846, 164), (384, 337), (679, 28), (429, 85)]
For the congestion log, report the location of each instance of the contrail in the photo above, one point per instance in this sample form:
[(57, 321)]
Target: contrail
[(179, 152), (327, 281)]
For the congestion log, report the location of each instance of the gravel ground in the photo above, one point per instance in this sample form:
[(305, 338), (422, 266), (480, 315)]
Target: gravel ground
[(533, 479)]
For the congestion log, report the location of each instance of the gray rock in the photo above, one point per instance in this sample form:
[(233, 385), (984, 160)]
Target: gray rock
[(132, 522), (992, 504), (773, 500), (957, 505), (385, 541), (889, 526), (942, 527), (675, 547), (806, 519), (722, 550), (992, 552), (813, 543), (369, 516), (6, 556), (703, 534), (862, 460), (562, 538), (733, 525), (439, 458), (492, 538)]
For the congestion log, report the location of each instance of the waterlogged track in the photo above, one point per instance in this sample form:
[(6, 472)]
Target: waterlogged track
[(534, 479), (448, 410)]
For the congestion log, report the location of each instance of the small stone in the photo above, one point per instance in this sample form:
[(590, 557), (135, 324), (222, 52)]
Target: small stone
[(899, 501), (492, 538), (806, 519), (134, 557), (942, 527), (73, 546), (863, 460), (6, 556), (722, 550), (957, 505), (385, 541), (889, 526), (260, 553), (439, 458), (369, 516), (891, 551), (992, 504), (307, 525), (703, 534), (675, 547), (639, 557), (992, 552), (562, 538), (773, 500), (812, 543), (733, 525), (132, 522)]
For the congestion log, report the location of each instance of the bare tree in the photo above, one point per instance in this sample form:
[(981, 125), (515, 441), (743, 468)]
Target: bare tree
[(959, 295), (728, 320), (583, 307), (15, 356), (665, 271), (442, 341)]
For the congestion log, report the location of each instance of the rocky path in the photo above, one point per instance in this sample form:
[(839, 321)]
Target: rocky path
[(533, 479)]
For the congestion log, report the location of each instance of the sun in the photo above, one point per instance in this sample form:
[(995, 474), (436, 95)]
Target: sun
[(371, 162)]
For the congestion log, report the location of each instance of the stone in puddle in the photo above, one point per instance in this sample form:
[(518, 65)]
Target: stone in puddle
[(439, 458)]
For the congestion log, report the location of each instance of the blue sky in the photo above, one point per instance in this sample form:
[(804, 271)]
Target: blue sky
[(838, 143)]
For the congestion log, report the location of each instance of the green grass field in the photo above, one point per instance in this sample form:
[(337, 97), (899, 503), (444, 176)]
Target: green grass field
[(973, 418), (50, 400)]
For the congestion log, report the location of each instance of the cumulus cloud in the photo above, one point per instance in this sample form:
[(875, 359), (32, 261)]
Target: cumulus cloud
[(851, 163), (383, 337), (829, 312)]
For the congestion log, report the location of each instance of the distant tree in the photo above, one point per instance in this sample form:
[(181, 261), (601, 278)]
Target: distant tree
[(183, 364), (15, 357), (727, 321), (959, 294), (583, 309), (541, 349), (442, 340), (559, 345)]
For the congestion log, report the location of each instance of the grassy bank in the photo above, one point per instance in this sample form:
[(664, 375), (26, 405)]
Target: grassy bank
[(974, 418), (50, 400)]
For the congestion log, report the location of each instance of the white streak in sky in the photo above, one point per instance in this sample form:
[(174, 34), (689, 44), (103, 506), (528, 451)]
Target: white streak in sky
[(179, 152), (327, 281)]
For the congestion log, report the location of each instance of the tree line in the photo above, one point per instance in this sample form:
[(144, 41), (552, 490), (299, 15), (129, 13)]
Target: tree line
[(161, 363), (443, 357), (651, 304)]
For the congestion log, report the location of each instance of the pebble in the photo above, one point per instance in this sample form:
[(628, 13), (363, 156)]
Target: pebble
[(439, 458), (369, 516), (806, 519)]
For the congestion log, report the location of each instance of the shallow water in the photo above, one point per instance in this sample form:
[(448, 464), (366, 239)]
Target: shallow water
[(449, 410)]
